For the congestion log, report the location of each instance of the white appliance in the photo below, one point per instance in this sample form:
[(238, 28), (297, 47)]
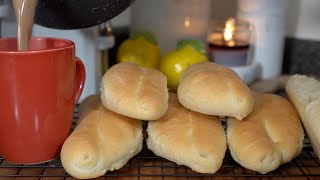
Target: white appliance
[(268, 18), (4, 12)]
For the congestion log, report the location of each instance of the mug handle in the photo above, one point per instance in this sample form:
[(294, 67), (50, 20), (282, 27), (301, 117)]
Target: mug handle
[(80, 79)]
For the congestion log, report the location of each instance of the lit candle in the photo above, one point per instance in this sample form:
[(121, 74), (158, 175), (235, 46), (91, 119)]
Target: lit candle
[(229, 42)]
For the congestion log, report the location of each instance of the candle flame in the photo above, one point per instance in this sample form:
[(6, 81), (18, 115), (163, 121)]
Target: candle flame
[(187, 22), (228, 32)]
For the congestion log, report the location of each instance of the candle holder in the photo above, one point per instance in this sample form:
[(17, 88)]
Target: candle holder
[(229, 42)]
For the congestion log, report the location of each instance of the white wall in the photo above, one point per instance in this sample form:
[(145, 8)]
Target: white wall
[(221, 9), (224, 9), (304, 19), (122, 19), (303, 16)]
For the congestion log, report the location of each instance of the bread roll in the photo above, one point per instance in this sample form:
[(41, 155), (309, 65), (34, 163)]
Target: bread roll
[(214, 89), (87, 106), (268, 137), (135, 91), (188, 138), (102, 141), (304, 93)]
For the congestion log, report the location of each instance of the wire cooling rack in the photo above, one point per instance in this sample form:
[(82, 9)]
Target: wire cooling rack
[(146, 165)]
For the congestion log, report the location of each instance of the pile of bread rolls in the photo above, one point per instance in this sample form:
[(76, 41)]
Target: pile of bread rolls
[(263, 130)]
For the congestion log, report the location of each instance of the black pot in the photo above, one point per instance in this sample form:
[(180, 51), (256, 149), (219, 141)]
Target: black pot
[(75, 14)]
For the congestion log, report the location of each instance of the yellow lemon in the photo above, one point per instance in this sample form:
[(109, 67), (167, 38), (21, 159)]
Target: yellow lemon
[(173, 64), (141, 49)]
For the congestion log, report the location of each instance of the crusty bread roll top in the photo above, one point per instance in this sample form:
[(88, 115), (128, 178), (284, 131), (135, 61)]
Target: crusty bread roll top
[(135, 91), (214, 89), (304, 93)]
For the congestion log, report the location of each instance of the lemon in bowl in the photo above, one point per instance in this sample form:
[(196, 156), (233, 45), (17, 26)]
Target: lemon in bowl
[(175, 62), (141, 48)]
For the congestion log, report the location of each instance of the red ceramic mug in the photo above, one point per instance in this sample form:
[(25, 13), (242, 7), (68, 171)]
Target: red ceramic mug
[(38, 91)]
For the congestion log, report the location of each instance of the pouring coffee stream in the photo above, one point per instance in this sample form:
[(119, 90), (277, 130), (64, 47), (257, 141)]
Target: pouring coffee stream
[(24, 10)]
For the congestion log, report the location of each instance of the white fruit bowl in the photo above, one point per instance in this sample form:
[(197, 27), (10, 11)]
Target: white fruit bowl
[(248, 73)]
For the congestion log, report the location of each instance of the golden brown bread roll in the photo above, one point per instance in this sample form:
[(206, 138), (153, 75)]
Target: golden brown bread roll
[(304, 93), (188, 138), (87, 106), (135, 91), (214, 89), (268, 137), (102, 141)]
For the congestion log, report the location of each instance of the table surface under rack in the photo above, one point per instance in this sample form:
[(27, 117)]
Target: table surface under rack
[(146, 166)]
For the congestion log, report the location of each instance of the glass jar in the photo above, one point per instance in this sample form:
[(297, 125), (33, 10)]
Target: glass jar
[(228, 42)]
